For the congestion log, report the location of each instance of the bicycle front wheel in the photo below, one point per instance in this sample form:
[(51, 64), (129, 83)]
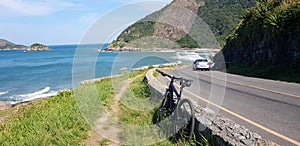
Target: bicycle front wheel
[(185, 117)]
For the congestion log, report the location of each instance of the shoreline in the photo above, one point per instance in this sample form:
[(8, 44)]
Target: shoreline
[(156, 50), (6, 105)]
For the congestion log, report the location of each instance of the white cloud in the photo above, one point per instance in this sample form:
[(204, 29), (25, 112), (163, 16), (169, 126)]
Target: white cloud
[(34, 7)]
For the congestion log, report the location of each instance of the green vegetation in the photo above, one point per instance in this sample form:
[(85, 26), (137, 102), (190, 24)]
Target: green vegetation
[(223, 15), (266, 42), (37, 45), (188, 42), (134, 32), (271, 18)]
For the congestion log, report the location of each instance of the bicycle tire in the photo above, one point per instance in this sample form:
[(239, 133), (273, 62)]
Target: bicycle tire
[(185, 116)]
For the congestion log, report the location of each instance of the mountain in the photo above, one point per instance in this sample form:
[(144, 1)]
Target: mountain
[(6, 45), (184, 24), (266, 43)]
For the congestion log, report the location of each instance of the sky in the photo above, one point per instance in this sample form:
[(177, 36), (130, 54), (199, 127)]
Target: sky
[(59, 22)]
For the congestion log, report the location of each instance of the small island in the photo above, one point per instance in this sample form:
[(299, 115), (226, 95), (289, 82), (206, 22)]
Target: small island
[(6, 45), (38, 47)]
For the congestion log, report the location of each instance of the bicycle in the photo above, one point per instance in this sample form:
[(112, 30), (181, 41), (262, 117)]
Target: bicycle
[(179, 111)]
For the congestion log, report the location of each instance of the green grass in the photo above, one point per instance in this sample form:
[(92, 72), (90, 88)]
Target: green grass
[(55, 121), (155, 74), (92, 99), (137, 99), (136, 112)]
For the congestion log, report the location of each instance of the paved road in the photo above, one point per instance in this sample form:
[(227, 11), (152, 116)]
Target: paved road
[(269, 108)]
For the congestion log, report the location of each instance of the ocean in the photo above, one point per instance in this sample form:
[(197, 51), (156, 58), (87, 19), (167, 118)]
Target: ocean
[(25, 76)]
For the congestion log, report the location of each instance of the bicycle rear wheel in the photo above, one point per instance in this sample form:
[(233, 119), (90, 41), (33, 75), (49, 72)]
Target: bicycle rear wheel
[(185, 119)]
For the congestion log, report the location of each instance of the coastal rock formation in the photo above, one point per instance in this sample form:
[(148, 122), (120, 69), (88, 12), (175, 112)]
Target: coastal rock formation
[(6, 45), (5, 105)]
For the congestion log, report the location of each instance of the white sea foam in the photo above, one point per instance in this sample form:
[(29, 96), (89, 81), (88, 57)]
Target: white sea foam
[(189, 56), (40, 96), (44, 93), (37, 93), (2, 93)]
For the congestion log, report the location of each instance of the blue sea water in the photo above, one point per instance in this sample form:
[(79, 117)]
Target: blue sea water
[(29, 75)]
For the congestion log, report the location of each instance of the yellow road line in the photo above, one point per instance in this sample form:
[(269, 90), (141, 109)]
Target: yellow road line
[(255, 87), (247, 120)]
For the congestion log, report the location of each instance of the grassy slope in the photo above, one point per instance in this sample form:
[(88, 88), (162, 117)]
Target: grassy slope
[(55, 121), (59, 121)]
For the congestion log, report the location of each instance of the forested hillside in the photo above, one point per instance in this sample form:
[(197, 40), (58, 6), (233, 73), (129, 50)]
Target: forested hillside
[(221, 17)]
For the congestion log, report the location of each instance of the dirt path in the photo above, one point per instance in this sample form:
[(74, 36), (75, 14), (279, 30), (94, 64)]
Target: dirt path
[(107, 124)]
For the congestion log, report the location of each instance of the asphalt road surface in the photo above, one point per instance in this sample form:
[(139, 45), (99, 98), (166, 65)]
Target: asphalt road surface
[(269, 108)]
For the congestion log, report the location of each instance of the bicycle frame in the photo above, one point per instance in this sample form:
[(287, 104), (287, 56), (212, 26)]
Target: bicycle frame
[(173, 90)]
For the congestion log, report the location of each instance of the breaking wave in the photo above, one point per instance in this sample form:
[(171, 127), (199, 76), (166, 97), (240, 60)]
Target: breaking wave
[(44, 93)]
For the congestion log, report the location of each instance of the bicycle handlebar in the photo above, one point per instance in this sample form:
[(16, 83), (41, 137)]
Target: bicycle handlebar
[(183, 82), (164, 74)]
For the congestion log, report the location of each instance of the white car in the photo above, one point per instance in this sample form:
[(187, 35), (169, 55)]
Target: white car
[(202, 64)]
